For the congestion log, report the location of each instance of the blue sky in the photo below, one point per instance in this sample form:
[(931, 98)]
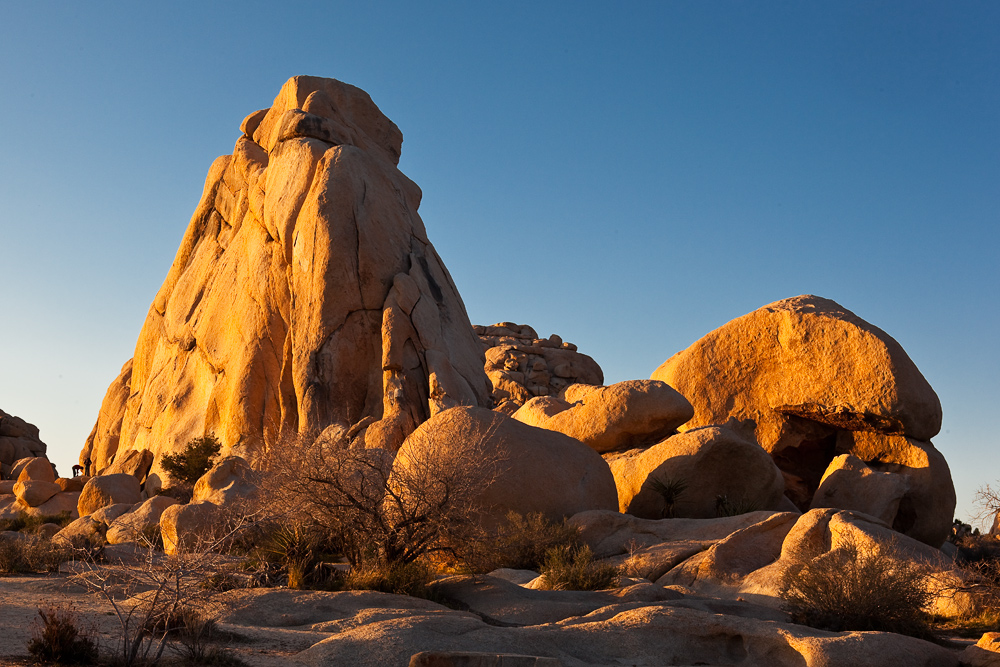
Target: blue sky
[(628, 175)]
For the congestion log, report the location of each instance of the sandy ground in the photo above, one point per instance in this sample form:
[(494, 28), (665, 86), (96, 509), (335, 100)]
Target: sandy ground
[(21, 598)]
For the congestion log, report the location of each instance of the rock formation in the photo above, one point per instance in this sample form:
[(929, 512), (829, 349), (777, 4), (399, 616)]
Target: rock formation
[(814, 381), (305, 293), (18, 440), (521, 365)]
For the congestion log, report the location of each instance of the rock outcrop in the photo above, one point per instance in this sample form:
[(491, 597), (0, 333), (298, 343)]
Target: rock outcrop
[(520, 365), (305, 293), (18, 440), (813, 381)]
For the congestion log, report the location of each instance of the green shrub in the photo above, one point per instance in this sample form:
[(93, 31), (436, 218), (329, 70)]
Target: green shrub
[(670, 490), (859, 587), (520, 543), (29, 554), (58, 639), (197, 458), (574, 569)]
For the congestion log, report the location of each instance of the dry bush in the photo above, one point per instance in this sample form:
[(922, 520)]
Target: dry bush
[(521, 542), (28, 554), (859, 586), (27, 523), (373, 513), (57, 637), (574, 569), (150, 594)]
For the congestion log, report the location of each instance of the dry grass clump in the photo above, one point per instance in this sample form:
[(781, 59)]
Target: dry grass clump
[(29, 554), (411, 578), (574, 569), (860, 587), (58, 639), (26, 523), (520, 543)]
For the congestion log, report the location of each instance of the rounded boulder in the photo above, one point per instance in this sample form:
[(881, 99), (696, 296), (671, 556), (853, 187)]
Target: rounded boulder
[(530, 469), (701, 474), (105, 490)]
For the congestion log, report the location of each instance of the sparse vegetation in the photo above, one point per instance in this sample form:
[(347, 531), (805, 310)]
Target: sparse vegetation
[(194, 461), (401, 578), (520, 543), (26, 523), (724, 506), (377, 514), (860, 586), (670, 490), (574, 569), (57, 637), (28, 554)]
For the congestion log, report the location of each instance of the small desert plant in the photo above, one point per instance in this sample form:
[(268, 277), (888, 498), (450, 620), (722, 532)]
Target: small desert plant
[(30, 553), (400, 578), (859, 586), (520, 543), (295, 550), (724, 506), (670, 490), (57, 638), (196, 459), (575, 569)]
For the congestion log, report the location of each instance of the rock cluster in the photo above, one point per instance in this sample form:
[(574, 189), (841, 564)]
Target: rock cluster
[(33, 488), (305, 293), (520, 365)]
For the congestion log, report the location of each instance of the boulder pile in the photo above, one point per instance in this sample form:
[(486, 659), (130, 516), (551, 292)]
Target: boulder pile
[(521, 366)]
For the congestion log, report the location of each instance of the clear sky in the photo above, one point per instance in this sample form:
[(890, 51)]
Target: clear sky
[(627, 175)]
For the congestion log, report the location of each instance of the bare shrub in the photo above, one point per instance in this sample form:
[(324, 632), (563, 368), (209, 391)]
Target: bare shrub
[(860, 586), (57, 637), (28, 554), (150, 594), (574, 569), (521, 542), (376, 513)]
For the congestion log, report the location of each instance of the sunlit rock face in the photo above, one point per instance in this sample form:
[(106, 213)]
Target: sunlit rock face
[(305, 293), (815, 381)]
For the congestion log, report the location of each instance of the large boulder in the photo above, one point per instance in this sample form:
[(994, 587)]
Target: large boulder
[(192, 527), (305, 293), (38, 469), (625, 414), (105, 490), (35, 492), (807, 357), (702, 473), (532, 469), (229, 481), (812, 381)]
